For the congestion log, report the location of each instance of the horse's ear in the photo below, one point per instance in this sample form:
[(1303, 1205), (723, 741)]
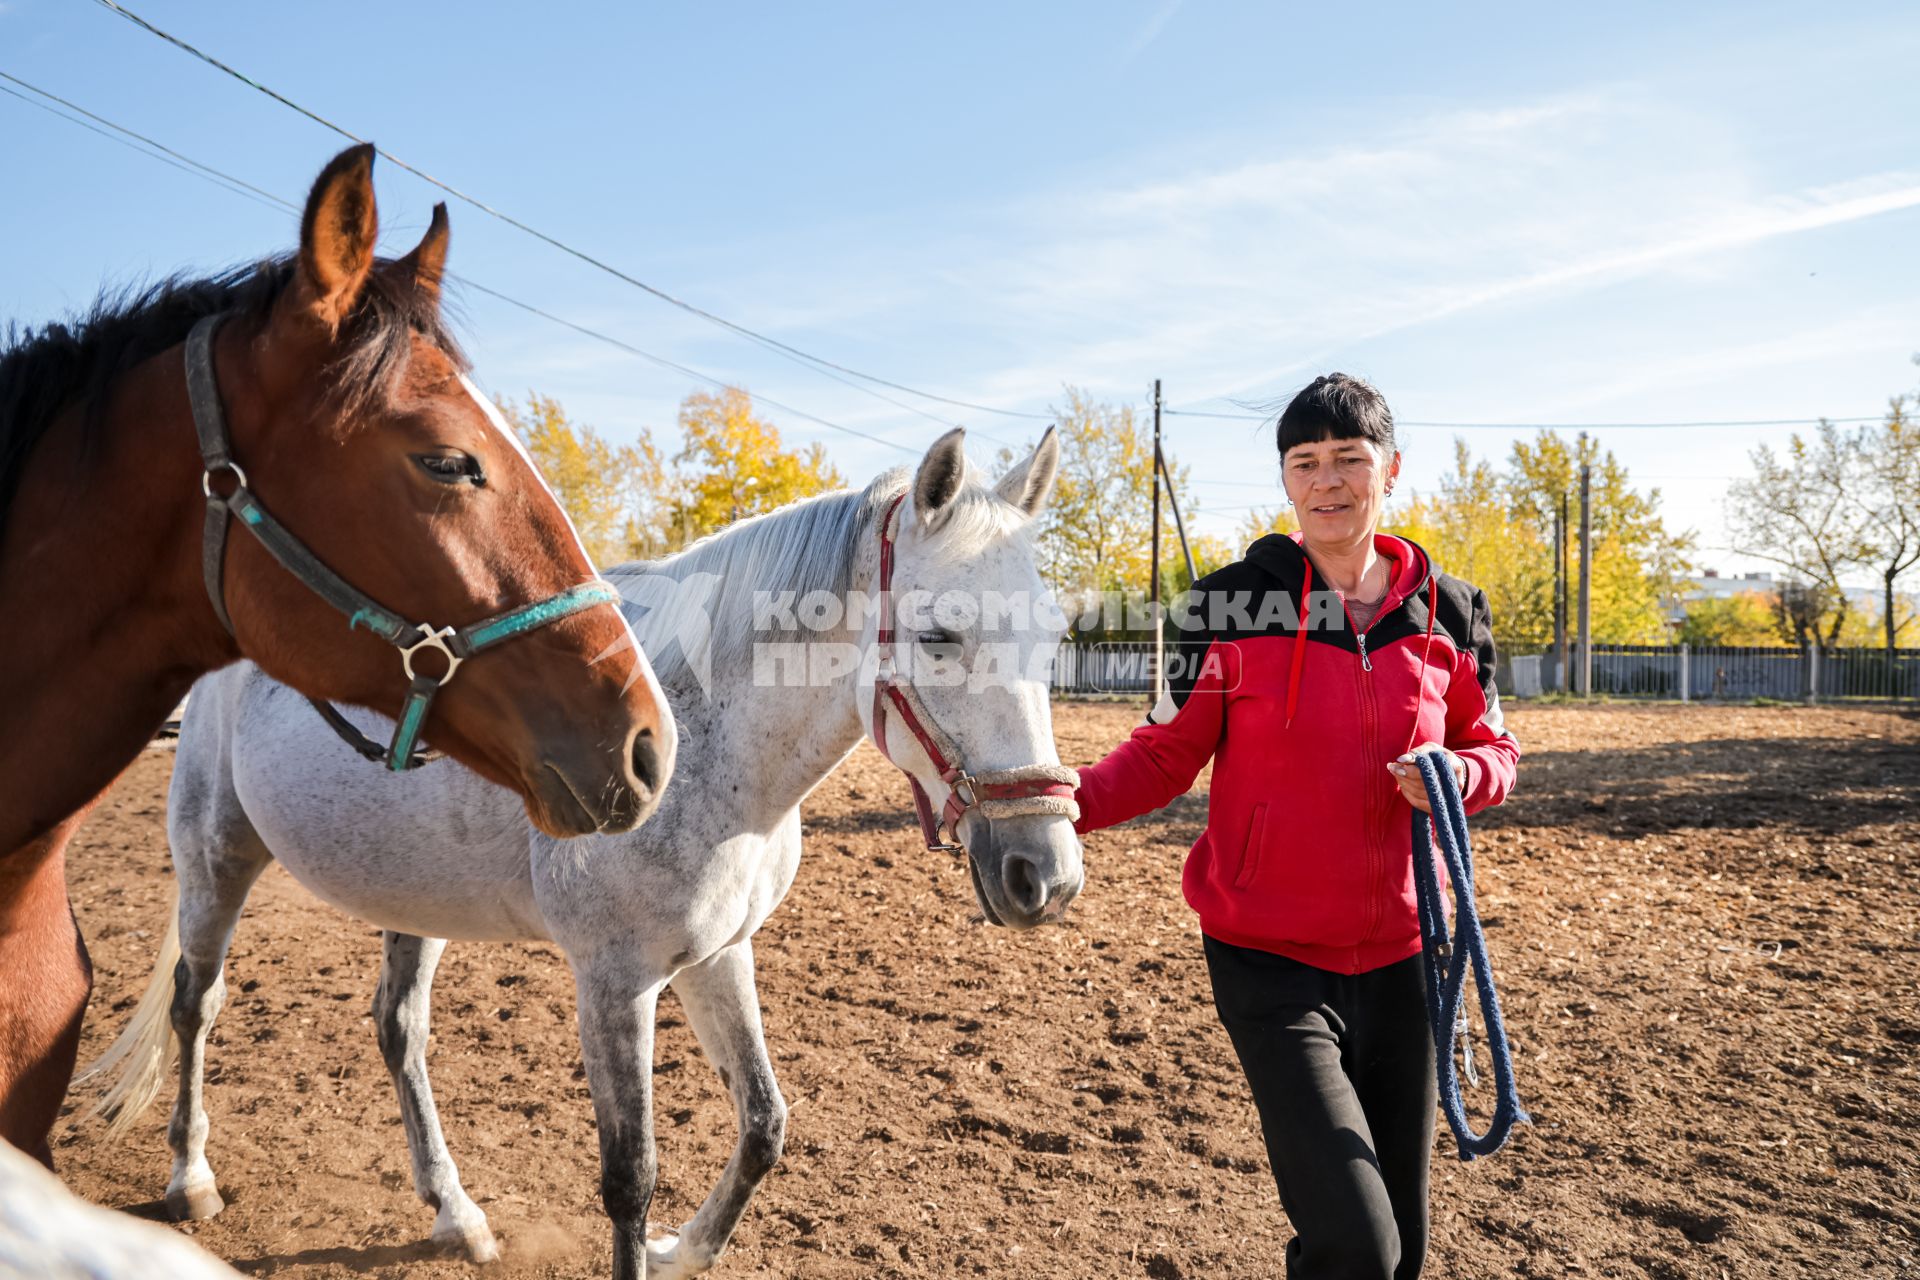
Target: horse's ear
[(337, 235), (941, 474), (424, 268), (1029, 485)]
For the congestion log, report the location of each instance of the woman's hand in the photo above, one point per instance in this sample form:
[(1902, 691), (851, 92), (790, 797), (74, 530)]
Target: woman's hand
[(1406, 771)]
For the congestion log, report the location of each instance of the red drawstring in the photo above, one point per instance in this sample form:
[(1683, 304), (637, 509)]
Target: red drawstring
[(1433, 598), (1299, 644)]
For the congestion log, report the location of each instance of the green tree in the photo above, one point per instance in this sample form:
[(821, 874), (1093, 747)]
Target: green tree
[(1801, 511), (1888, 495), (1096, 534)]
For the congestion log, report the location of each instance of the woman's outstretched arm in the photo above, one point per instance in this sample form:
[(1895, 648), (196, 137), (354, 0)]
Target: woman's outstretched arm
[(1163, 757)]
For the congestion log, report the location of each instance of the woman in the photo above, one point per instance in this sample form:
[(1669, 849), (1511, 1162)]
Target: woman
[(1310, 672)]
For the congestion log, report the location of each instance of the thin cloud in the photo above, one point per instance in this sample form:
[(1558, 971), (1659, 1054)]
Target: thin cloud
[(1738, 229), (1150, 32), (1242, 276)]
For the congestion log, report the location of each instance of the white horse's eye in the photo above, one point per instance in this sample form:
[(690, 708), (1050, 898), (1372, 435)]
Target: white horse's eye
[(939, 647)]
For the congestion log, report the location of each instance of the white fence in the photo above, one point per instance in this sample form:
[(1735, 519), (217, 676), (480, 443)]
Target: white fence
[(1737, 674), (1683, 672), (1118, 666)]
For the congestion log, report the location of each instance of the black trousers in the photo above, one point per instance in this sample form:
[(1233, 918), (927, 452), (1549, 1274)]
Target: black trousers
[(1342, 1073)]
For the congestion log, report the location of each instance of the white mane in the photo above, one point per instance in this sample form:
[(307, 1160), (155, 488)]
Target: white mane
[(824, 543)]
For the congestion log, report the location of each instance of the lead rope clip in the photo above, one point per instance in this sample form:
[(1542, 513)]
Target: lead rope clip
[(1463, 1033)]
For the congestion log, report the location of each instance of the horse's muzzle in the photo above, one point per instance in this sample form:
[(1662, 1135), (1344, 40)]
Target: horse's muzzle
[(1025, 870), (613, 802)]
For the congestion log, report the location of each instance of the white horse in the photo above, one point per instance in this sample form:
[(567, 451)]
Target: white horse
[(48, 1233), (439, 853)]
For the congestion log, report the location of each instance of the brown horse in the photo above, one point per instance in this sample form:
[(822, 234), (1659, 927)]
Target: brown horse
[(348, 409)]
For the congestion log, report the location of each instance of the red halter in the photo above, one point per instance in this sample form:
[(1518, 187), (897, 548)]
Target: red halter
[(965, 791)]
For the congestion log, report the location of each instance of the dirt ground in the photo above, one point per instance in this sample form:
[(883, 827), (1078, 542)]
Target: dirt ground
[(1705, 923)]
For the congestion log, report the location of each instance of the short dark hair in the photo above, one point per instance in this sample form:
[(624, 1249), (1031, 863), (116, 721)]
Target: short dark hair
[(1336, 406)]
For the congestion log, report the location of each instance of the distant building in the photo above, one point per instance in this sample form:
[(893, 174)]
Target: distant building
[(1709, 585)]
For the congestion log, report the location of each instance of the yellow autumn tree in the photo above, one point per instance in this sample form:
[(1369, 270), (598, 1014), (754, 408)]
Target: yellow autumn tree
[(1261, 521), (608, 489), (1467, 531), (1639, 565), (1748, 618), (732, 464), (1209, 553)]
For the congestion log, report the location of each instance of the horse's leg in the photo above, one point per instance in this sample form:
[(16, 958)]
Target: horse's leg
[(401, 1009), (214, 882), (48, 983), (617, 1007), (724, 1008)]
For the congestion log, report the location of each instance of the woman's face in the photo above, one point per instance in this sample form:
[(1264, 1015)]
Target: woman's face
[(1338, 488)]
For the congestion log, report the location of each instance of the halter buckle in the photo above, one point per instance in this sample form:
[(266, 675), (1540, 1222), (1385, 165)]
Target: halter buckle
[(206, 477), (970, 798), (431, 639)]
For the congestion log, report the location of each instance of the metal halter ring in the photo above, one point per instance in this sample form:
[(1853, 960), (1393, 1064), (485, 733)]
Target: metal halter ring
[(432, 640), (206, 477)]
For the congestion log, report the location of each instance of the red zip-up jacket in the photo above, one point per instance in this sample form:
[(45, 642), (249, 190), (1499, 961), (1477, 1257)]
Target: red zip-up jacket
[(1308, 849)]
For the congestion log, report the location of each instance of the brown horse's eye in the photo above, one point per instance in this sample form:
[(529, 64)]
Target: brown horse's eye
[(450, 466)]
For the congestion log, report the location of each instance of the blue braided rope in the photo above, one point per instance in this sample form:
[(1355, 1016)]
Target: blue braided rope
[(1445, 962)]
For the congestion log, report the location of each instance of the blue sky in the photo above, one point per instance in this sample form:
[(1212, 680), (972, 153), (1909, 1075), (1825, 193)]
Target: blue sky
[(1619, 213)]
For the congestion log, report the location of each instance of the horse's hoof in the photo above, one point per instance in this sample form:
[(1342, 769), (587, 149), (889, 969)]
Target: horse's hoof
[(471, 1239), (667, 1260), (194, 1201), (478, 1247)]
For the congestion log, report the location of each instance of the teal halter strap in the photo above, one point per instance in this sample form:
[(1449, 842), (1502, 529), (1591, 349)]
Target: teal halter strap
[(362, 611)]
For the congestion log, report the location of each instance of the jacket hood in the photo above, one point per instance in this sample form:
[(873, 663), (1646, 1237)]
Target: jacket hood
[(1281, 555)]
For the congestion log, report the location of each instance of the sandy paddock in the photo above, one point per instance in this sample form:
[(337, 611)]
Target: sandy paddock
[(1705, 921)]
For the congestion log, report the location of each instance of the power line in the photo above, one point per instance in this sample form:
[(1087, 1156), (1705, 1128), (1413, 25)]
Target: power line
[(772, 344), (1557, 426), (665, 363), (236, 186), (163, 154)]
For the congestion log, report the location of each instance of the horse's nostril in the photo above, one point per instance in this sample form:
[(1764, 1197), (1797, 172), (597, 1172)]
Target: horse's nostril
[(1025, 885), (648, 769)]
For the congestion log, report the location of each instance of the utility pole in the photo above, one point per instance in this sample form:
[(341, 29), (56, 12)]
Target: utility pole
[(1179, 525), (1563, 676), (1153, 573), (1586, 573)]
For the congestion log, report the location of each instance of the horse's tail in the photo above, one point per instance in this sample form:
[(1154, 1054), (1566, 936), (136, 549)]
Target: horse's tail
[(135, 1065)]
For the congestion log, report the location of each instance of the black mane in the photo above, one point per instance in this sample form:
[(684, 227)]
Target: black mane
[(44, 371)]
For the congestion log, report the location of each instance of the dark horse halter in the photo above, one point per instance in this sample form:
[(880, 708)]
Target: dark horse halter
[(1003, 793), (456, 645)]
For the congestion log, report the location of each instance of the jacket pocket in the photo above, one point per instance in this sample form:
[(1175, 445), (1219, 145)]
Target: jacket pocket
[(1250, 853)]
